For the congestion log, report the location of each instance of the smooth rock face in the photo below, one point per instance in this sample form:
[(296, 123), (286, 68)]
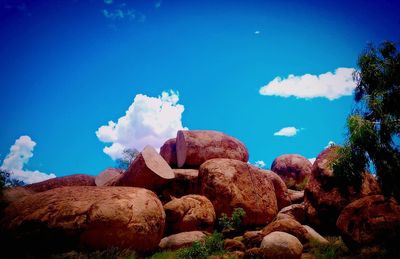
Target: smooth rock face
[(290, 226), (184, 183), (183, 239), (293, 169), (281, 191), (324, 199), (314, 236), (168, 152), (90, 217), (194, 147), (372, 221), (149, 170), (281, 245), (231, 184), (189, 213), (294, 211), (108, 177), (70, 180)]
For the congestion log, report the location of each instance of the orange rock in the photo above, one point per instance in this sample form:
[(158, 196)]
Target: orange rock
[(108, 177), (149, 170), (189, 213), (231, 184), (281, 191), (184, 183), (183, 239), (296, 196), (281, 245), (290, 226), (168, 152), (70, 180), (85, 216), (232, 245), (194, 147)]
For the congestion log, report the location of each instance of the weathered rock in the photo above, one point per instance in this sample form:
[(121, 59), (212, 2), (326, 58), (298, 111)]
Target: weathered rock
[(183, 239), (149, 170), (15, 193), (70, 180), (85, 216), (281, 245), (168, 152), (231, 184), (372, 221), (281, 191), (324, 197), (314, 237), (290, 226), (252, 238), (293, 169), (189, 213), (296, 196), (294, 211), (194, 147), (108, 177), (254, 252), (229, 255), (185, 183), (233, 245)]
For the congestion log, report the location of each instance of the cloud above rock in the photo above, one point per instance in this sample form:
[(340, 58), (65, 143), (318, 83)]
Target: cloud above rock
[(148, 121), (287, 132), (18, 157), (328, 85)]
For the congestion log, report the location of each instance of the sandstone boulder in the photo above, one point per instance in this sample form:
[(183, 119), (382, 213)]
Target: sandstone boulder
[(168, 152), (314, 237), (281, 191), (372, 221), (232, 245), (294, 211), (184, 183), (293, 169), (290, 226), (281, 245), (70, 180), (296, 196), (324, 198), (231, 184), (189, 213), (108, 177), (194, 147), (252, 238), (85, 217), (149, 170), (183, 239)]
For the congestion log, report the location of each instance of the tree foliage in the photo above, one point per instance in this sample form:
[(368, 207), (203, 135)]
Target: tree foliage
[(374, 126)]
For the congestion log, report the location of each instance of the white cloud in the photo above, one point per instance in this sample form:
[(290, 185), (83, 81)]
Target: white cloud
[(260, 163), (312, 160), (19, 155), (257, 32), (328, 85), (287, 132), (148, 121)]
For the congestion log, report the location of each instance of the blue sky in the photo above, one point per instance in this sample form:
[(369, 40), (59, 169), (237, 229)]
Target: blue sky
[(70, 67)]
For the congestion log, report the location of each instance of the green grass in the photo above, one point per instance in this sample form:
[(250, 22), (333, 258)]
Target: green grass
[(112, 253), (334, 249)]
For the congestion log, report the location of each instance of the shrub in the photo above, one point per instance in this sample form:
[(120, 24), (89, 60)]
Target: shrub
[(232, 224), (211, 245)]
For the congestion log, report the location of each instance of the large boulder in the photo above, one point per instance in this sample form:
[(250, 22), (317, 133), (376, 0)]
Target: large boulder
[(372, 221), (288, 225), (231, 184), (70, 180), (194, 147), (168, 152), (189, 213), (183, 239), (184, 183), (85, 217), (293, 169), (108, 177), (294, 211), (281, 191), (148, 170), (281, 245), (296, 196), (325, 197)]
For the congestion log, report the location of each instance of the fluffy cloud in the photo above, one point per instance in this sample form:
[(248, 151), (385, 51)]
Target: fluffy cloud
[(287, 132), (260, 163), (328, 85), (148, 121), (312, 160), (330, 143), (19, 155)]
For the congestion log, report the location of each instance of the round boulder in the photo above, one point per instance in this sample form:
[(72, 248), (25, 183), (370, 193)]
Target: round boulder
[(281, 245), (189, 213), (281, 191), (90, 217), (287, 225), (70, 180), (293, 169), (168, 152), (325, 197), (231, 184), (184, 183), (183, 239), (108, 177), (372, 221)]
